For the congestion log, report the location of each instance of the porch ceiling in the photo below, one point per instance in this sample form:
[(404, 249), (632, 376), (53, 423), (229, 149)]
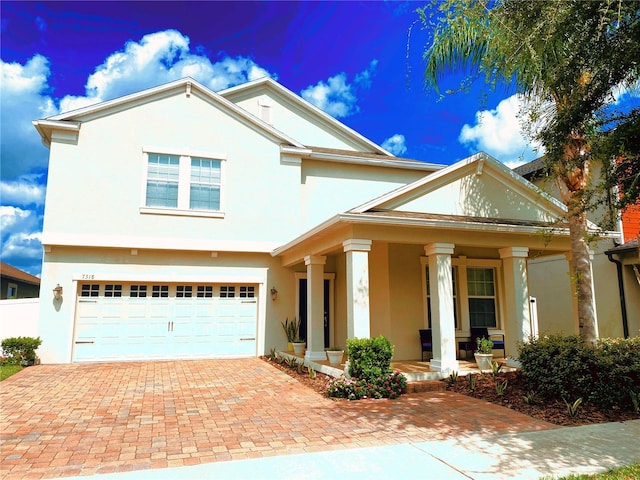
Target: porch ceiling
[(422, 229)]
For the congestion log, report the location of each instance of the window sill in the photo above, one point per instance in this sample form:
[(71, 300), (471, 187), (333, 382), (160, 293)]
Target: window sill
[(180, 213)]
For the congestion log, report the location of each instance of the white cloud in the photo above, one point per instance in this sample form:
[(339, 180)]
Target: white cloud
[(21, 238), (336, 96), (26, 190), (24, 98), (395, 144), (159, 58), (498, 132)]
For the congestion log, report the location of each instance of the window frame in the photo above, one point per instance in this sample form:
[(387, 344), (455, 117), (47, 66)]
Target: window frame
[(461, 295), (493, 297), (185, 157)]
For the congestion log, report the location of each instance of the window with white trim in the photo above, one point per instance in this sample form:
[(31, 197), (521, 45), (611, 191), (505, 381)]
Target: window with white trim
[(163, 174), (205, 291), (184, 291), (112, 290), (12, 290), (183, 182), (481, 285), (138, 291), (205, 184), (455, 296), (90, 290)]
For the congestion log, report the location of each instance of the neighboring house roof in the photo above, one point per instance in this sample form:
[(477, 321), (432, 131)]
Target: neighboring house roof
[(270, 84), (12, 273), (627, 247), (71, 121), (533, 169)]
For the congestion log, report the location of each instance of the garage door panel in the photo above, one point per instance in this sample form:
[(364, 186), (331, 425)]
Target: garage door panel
[(129, 322)]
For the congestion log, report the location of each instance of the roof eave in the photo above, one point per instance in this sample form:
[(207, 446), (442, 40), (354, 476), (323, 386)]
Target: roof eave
[(393, 162), (305, 105)]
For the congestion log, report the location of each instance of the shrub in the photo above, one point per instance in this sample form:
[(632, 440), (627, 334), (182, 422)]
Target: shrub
[(20, 350), (558, 366), (389, 386), (369, 358), (370, 369), (618, 379), (566, 367)]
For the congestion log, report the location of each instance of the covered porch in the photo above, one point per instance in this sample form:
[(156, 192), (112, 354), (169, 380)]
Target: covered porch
[(447, 253)]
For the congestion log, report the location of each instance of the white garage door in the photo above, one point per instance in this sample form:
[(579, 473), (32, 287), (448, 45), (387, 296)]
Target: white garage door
[(117, 321)]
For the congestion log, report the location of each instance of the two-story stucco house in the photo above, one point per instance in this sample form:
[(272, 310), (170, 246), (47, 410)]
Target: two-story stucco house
[(184, 223)]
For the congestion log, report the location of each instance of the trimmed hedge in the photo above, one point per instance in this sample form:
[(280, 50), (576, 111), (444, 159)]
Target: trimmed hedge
[(607, 374), (370, 371), (369, 358)]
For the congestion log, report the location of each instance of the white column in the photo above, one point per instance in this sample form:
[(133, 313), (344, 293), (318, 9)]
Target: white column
[(516, 290), (442, 316), (358, 316), (315, 307)]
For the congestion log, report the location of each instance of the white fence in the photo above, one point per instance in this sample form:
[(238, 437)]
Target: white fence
[(19, 317)]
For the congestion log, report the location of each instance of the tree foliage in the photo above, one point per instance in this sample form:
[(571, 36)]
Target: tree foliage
[(567, 59)]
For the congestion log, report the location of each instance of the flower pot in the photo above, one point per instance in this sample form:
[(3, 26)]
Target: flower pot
[(289, 347), (483, 360), (335, 356), (298, 348)]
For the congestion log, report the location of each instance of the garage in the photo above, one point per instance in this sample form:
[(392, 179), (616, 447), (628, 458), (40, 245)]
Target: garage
[(135, 321)]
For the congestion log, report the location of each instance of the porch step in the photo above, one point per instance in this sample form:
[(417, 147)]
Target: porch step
[(426, 386)]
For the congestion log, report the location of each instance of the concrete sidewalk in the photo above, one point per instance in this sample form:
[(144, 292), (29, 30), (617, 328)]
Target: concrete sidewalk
[(526, 455)]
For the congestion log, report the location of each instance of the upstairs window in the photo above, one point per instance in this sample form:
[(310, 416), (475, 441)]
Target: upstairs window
[(183, 182), (163, 173), (205, 184)]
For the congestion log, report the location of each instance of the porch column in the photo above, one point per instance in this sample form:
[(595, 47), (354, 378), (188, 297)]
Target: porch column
[(516, 289), (315, 307), (442, 317), (358, 317)]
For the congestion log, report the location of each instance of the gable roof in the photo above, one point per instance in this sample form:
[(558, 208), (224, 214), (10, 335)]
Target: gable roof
[(72, 120), (478, 164), (267, 83), (13, 273)]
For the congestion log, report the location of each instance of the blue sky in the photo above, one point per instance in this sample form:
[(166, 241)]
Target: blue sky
[(359, 61)]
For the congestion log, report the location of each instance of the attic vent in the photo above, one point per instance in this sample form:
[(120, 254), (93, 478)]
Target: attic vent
[(265, 110), (480, 167)]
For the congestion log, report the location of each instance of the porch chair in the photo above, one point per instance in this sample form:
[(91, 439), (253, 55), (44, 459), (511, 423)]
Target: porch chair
[(479, 332), (426, 342)]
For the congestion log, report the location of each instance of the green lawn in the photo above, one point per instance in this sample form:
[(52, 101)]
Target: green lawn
[(7, 370), (630, 472)]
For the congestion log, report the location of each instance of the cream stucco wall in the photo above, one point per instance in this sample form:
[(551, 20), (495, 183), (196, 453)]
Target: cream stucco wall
[(69, 266), (296, 122), (480, 196)]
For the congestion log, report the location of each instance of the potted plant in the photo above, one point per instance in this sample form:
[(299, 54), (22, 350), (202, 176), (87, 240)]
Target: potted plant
[(484, 353), (291, 330), (298, 345), (334, 355)]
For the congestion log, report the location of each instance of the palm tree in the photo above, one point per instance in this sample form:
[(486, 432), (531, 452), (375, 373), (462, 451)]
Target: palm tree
[(565, 58)]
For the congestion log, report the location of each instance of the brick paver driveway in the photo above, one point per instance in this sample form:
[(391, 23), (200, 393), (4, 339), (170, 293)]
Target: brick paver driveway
[(64, 420)]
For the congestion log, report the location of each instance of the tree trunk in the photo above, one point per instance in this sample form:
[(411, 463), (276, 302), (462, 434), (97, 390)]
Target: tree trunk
[(581, 276), (572, 181)]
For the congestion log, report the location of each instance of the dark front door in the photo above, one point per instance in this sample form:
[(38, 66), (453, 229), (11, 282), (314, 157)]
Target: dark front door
[(302, 314)]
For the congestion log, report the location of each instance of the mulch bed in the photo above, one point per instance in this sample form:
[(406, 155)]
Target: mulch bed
[(485, 389)]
